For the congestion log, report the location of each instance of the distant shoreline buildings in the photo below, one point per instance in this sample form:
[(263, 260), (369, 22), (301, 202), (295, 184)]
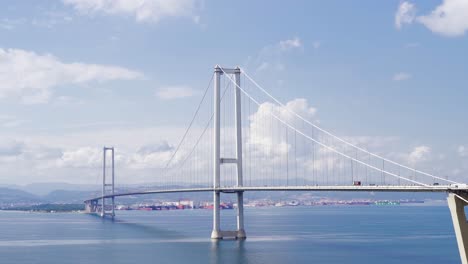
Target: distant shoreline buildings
[(189, 204)]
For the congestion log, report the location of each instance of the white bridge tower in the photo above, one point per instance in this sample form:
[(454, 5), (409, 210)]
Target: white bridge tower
[(217, 233), (108, 186)]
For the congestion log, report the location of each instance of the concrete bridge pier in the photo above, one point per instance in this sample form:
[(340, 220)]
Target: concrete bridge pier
[(457, 203), (91, 206), (217, 233)]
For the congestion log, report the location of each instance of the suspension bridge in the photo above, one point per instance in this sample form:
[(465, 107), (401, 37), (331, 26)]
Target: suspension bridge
[(242, 139)]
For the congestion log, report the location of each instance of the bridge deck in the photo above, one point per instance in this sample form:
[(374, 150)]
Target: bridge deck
[(437, 188)]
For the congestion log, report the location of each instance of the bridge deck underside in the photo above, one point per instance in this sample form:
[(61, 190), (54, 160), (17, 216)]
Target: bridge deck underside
[(439, 188)]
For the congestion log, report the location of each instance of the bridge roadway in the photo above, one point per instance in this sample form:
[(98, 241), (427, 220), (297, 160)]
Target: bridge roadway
[(340, 188)]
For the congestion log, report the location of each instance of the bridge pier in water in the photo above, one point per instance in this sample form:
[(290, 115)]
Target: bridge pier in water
[(457, 203), (91, 206), (217, 233)]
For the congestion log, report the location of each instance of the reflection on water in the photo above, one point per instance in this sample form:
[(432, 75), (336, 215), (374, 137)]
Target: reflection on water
[(228, 251)]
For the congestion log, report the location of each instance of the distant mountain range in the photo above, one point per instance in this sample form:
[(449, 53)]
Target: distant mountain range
[(44, 188), (9, 196), (46, 193), (14, 196)]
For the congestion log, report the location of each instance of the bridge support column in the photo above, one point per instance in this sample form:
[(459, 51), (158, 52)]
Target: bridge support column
[(88, 209), (457, 203), (91, 206), (240, 182), (216, 233), (240, 216)]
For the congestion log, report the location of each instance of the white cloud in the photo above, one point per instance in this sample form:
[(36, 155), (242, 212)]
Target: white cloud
[(462, 151), (31, 76), (175, 92), (288, 44), (449, 18), (141, 10), (81, 158), (260, 135), (405, 14), (151, 156), (76, 156), (272, 57), (401, 76), (419, 154), (147, 157)]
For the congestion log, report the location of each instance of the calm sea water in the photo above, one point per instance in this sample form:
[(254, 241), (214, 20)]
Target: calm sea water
[(357, 234)]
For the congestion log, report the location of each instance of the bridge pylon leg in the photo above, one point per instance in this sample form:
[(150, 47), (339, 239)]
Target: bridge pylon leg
[(457, 203), (240, 216), (216, 233)]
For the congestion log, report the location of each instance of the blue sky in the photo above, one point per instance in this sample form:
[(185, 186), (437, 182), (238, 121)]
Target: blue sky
[(78, 74)]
